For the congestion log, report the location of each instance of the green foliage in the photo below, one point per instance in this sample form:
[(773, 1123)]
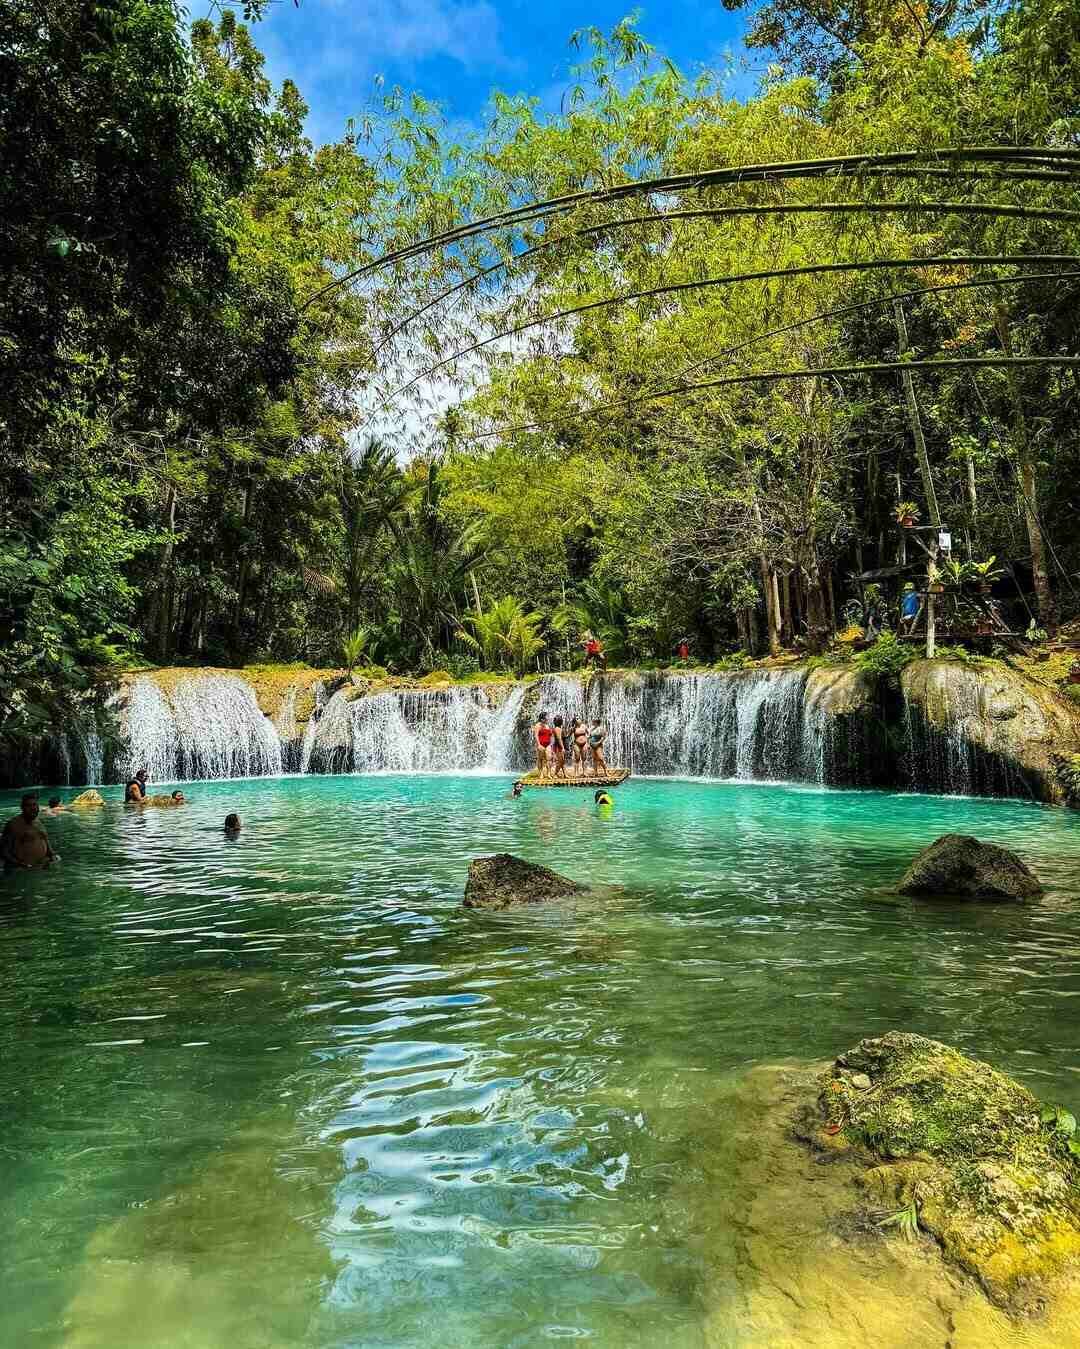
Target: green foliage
[(506, 636), (886, 659), (905, 1220), (353, 647), (1062, 1126)]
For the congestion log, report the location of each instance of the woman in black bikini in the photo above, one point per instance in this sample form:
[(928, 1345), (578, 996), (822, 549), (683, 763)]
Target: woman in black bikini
[(580, 733), (559, 746)]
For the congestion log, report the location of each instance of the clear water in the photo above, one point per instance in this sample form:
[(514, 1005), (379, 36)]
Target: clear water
[(285, 1091)]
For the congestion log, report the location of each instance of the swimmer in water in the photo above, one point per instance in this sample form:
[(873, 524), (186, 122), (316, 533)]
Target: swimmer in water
[(24, 844), (603, 798), (178, 798), (232, 826), (516, 791), (56, 806)]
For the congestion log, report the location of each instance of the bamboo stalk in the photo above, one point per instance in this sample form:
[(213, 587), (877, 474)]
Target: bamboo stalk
[(782, 273)]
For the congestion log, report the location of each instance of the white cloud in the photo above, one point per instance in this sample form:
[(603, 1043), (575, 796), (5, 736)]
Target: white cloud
[(333, 49)]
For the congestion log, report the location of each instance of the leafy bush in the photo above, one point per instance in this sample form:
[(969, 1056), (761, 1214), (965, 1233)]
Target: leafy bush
[(886, 658), (1070, 691)]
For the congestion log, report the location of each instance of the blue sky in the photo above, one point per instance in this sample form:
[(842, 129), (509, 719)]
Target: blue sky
[(456, 51)]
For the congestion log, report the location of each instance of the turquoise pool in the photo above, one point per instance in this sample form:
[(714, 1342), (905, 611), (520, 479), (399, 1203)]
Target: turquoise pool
[(285, 1091)]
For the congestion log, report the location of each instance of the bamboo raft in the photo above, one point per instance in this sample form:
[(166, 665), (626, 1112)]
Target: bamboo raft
[(611, 778)]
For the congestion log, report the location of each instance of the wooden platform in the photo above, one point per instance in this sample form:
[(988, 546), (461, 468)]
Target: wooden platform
[(611, 779)]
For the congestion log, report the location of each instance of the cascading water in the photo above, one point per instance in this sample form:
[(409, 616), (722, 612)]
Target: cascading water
[(743, 725), (773, 725), (209, 727), (429, 730)]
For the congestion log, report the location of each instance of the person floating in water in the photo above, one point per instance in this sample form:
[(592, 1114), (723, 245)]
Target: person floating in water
[(232, 825), (56, 806), (24, 845), (542, 738), (135, 791), (604, 798), (178, 798), (515, 791)]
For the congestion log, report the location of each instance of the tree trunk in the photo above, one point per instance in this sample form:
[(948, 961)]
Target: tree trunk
[(787, 624), (242, 577), (916, 422), (165, 582), (1028, 487)]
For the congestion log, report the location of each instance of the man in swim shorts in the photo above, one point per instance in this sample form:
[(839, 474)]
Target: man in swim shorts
[(24, 845), (596, 748)]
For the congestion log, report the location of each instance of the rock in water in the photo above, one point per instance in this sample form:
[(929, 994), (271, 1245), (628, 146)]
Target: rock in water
[(962, 1149), (504, 880), (89, 798), (960, 866)]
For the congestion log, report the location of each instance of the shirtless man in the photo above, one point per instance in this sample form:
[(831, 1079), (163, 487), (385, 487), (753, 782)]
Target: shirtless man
[(24, 844)]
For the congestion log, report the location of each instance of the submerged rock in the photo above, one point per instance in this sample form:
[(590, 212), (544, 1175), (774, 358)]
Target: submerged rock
[(961, 866), (88, 798), (504, 880), (961, 1151)]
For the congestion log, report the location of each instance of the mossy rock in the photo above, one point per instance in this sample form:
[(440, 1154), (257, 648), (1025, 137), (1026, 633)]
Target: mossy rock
[(436, 679), (964, 1145)]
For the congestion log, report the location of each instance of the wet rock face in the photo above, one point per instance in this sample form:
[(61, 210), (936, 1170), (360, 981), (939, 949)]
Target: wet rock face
[(965, 1151), (503, 881), (959, 866), (986, 729)]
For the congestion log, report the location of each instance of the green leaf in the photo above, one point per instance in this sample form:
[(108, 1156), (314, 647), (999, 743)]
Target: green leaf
[(1066, 1123)]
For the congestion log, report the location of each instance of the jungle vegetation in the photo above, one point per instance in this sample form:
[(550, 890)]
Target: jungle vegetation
[(218, 450)]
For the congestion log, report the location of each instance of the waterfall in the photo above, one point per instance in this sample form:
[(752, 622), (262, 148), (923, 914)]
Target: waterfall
[(416, 730), (757, 724), (209, 726), (752, 724)]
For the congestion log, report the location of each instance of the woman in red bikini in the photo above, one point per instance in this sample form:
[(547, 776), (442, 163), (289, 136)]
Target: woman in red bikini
[(542, 738)]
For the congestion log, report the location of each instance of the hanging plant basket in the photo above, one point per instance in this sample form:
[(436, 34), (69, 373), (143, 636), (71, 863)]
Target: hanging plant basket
[(937, 588), (1074, 674), (907, 522), (984, 627), (984, 587)]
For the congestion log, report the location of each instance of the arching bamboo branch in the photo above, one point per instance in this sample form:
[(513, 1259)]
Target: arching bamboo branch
[(775, 376), (1050, 165), (772, 273), (720, 212)]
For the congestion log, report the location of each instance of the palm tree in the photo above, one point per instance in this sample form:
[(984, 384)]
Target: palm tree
[(353, 647), (432, 568), (372, 495), (599, 609), (504, 634)]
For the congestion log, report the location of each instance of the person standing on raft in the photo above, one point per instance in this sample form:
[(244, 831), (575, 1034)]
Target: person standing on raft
[(542, 738), (24, 845), (596, 746)]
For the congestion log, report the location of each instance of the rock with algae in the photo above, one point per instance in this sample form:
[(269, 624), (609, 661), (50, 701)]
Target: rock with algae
[(966, 1150), (88, 798), (959, 866), (503, 881)]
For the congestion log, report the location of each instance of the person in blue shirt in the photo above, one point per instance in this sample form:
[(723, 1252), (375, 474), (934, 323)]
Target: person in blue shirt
[(909, 606)]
